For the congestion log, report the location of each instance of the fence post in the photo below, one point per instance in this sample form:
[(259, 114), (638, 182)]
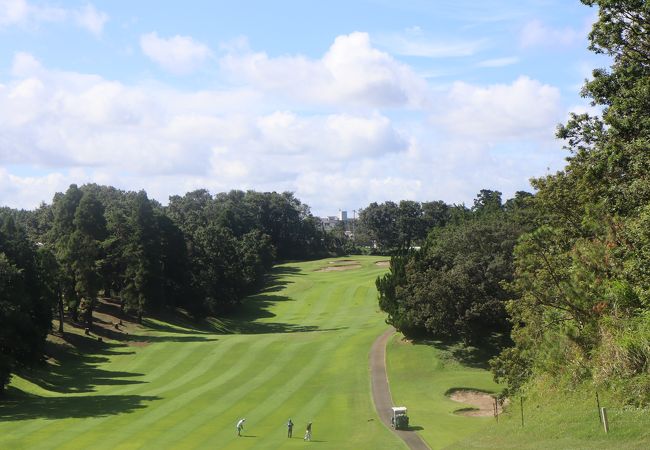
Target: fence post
[(598, 405), (521, 404), (603, 413)]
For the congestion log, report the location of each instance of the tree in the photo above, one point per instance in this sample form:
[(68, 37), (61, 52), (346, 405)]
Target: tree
[(25, 304), (583, 307), (85, 247), (453, 286), (380, 221), (143, 283), (410, 224)]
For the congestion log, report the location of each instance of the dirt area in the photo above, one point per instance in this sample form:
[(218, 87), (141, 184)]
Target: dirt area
[(340, 267), (344, 262), (383, 263), (482, 402)]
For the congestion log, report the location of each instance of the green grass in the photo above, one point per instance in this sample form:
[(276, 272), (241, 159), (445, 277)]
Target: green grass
[(299, 349), (420, 375), (174, 385), (567, 420)]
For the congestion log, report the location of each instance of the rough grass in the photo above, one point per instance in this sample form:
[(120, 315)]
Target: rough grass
[(298, 350), (567, 420)]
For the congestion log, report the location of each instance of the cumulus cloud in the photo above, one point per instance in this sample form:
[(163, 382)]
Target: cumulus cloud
[(351, 72), (524, 108), (139, 135), (178, 54), (21, 13)]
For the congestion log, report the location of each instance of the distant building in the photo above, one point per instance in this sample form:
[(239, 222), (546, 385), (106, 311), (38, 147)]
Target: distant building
[(329, 222)]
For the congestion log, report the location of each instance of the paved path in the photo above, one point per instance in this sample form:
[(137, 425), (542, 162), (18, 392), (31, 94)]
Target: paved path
[(381, 391)]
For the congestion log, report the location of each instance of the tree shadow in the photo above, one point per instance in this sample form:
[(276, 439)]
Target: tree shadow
[(256, 307), (275, 281), (189, 335), (71, 371), (468, 355), (17, 405)]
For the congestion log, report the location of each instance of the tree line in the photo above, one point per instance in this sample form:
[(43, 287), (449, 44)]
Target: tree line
[(564, 273), (202, 253)]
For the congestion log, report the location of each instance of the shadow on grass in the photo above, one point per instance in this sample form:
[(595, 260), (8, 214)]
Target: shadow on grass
[(17, 405), (256, 307), (470, 356), (76, 369)]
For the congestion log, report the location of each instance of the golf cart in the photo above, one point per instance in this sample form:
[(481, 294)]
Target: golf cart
[(399, 419)]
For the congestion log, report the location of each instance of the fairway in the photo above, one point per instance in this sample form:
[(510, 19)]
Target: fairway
[(304, 357)]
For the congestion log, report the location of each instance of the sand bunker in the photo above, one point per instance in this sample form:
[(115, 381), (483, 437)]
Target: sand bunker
[(383, 263), (483, 403)]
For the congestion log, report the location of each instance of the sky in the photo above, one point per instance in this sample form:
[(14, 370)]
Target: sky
[(343, 103)]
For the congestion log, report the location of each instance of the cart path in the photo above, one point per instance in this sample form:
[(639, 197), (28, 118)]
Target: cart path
[(381, 391)]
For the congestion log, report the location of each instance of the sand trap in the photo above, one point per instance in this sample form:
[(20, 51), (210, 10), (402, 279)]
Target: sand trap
[(383, 263), (340, 267), (482, 402)]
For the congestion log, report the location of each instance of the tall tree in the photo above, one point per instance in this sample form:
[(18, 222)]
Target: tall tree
[(581, 274), (25, 304)]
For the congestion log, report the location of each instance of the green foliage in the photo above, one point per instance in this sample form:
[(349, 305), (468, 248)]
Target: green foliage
[(25, 302), (582, 276), (453, 286)]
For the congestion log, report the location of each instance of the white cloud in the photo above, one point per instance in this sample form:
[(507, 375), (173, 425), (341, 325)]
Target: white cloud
[(91, 19), (414, 42), (536, 33), (21, 192), (22, 13), (501, 112), (351, 72), (13, 12), (75, 128), (499, 62), (178, 54), (24, 64), (86, 128)]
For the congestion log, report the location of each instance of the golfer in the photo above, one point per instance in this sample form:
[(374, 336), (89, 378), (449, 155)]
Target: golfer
[(240, 426), (308, 432), (289, 428)]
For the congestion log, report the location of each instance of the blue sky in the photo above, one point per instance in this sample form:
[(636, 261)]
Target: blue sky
[(342, 102)]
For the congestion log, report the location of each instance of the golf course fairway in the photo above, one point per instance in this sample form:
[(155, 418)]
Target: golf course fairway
[(298, 350)]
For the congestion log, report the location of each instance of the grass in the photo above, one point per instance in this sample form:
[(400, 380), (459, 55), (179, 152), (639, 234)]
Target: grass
[(567, 420), (421, 374), (298, 350)]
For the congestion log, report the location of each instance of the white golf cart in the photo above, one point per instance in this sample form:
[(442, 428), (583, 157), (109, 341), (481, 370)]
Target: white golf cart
[(399, 418)]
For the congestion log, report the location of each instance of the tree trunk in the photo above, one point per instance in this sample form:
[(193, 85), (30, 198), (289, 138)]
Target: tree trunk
[(89, 315), (60, 295)]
